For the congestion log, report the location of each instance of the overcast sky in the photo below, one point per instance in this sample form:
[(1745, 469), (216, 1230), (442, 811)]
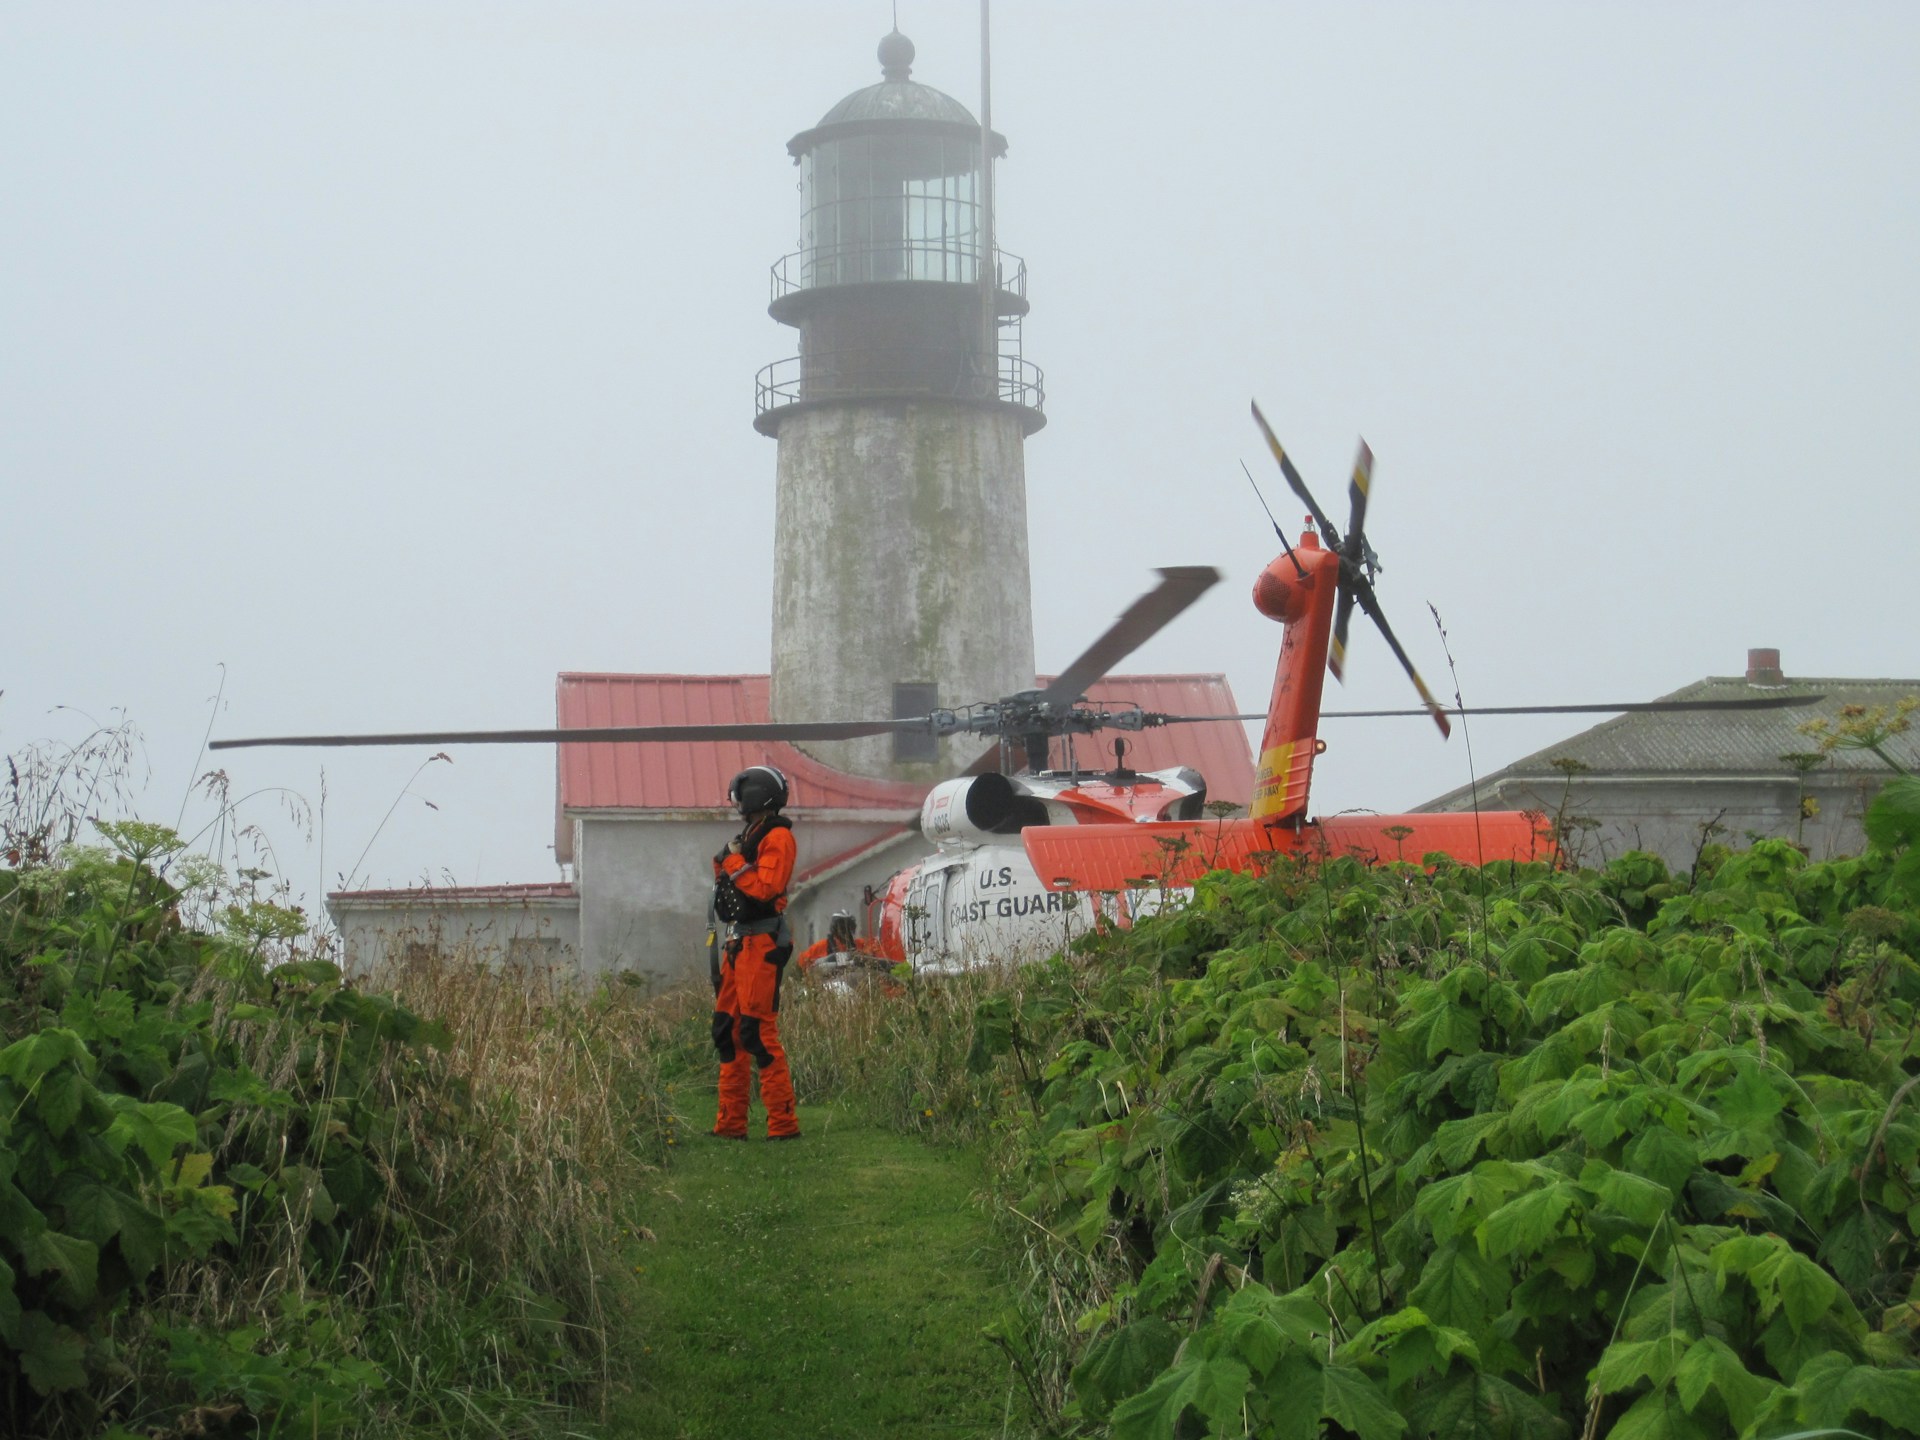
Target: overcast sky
[(398, 356)]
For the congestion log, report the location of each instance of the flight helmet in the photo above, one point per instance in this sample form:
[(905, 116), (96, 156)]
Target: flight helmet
[(757, 788)]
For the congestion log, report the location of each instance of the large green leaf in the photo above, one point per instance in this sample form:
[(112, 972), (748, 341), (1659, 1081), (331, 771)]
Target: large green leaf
[(1662, 1155), (155, 1129), (1467, 1405), (92, 1210), (1456, 1141), (25, 1061), (1351, 1399), (1123, 1362), (1710, 1365), (1216, 1388), (1293, 1394), (1526, 1223), (142, 1239), (1749, 1102), (51, 1354), (1806, 1291), (1659, 1415), (61, 1095), (1893, 819), (1627, 1362), (1833, 1391), (75, 1261), (1640, 1200), (1461, 1287)]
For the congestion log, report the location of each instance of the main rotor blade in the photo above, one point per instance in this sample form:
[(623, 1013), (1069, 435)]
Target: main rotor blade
[(1630, 707), (793, 730), (1179, 587), (1354, 553), (1295, 483), (1624, 707)]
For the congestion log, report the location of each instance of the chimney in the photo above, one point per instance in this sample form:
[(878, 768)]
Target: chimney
[(1763, 668)]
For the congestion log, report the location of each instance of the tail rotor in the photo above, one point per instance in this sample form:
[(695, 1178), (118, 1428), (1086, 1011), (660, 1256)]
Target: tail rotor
[(1358, 566)]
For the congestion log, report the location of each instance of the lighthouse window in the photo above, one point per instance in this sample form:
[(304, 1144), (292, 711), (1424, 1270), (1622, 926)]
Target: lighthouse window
[(893, 207), (909, 699)]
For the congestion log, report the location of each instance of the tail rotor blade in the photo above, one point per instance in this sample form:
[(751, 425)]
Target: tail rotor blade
[(1337, 643), (1295, 483), (1357, 489), (1179, 587), (1363, 594), (1356, 554)]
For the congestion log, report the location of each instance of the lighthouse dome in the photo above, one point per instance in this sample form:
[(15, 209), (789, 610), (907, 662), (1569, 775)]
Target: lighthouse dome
[(897, 100)]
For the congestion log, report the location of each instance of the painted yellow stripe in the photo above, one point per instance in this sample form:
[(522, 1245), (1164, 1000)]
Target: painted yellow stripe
[(1272, 782)]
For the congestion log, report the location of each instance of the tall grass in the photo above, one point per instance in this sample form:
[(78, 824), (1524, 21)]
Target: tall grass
[(493, 1276), (406, 1189)]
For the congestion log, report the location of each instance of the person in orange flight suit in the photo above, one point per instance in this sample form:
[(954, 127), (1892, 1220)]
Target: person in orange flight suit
[(843, 955), (750, 880), (840, 942)]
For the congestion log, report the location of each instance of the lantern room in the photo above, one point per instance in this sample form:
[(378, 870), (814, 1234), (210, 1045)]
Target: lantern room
[(887, 289)]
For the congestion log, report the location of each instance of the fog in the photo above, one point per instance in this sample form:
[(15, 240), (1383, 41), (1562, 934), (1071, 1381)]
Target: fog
[(379, 361)]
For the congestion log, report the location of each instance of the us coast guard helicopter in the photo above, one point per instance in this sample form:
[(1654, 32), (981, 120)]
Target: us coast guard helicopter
[(1025, 856)]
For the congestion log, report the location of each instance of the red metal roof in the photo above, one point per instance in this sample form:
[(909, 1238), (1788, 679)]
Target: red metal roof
[(694, 775)]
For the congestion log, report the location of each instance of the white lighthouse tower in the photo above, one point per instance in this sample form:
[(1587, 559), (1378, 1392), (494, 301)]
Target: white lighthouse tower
[(901, 577)]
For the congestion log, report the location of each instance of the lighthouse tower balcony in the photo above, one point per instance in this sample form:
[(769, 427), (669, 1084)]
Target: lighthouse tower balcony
[(888, 289)]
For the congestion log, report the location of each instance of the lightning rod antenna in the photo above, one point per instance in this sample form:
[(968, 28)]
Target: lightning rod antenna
[(1298, 567)]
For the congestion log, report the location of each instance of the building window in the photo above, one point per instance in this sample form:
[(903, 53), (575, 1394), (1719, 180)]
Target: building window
[(914, 746)]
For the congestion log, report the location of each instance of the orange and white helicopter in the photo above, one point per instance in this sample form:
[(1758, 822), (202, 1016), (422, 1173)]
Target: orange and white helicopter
[(1122, 842), (1026, 856)]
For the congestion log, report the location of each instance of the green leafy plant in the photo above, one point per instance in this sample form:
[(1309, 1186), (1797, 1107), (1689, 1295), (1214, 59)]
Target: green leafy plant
[(1641, 1162)]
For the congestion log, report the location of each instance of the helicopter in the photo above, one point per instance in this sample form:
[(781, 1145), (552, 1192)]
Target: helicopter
[(1123, 843), (1024, 855)]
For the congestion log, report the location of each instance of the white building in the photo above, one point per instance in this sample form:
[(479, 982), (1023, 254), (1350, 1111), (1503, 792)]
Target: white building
[(639, 824), (1668, 782)]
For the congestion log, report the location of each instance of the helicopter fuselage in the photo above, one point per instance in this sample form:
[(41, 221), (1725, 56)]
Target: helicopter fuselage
[(978, 898)]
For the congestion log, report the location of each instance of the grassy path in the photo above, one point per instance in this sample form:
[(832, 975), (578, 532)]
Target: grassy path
[(830, 1287)]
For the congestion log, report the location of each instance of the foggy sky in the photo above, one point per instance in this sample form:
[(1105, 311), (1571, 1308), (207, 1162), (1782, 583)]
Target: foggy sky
[(398, 356)]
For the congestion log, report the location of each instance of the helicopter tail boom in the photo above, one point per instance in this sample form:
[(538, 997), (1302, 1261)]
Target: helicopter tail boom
[(1299, 591), (1126, 857)]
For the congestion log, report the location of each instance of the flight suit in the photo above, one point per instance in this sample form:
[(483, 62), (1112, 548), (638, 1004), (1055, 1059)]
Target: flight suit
[(823, 949), (746, 1002), (862, 958)]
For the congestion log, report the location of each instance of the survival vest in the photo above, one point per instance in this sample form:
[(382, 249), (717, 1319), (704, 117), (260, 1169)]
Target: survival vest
[(729, 904)]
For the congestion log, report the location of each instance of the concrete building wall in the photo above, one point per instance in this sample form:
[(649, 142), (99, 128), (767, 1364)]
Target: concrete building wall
[(845, 888), (542, 933), (900, 555), (645, 882), (1605, 816)]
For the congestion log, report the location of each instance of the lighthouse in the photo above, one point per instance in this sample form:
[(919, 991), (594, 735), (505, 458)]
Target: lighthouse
[(901, 579)]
